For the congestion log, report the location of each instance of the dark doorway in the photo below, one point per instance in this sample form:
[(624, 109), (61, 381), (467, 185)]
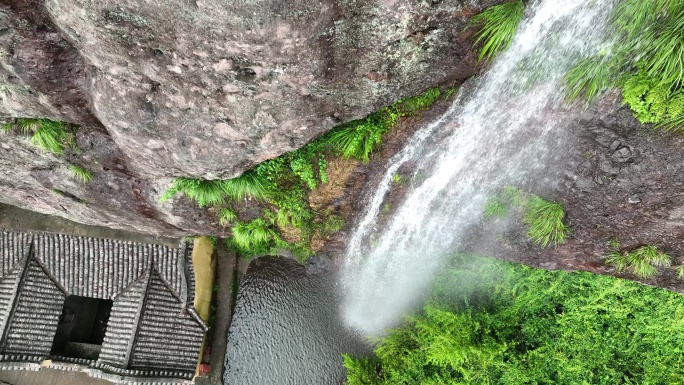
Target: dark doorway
[(82, 327)]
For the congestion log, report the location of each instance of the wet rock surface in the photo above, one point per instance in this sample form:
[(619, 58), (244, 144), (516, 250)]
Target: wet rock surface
[(205, 89), (624, 182), (619, 181)]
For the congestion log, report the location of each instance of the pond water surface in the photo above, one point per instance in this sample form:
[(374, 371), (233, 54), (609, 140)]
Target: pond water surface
[(287, 328)]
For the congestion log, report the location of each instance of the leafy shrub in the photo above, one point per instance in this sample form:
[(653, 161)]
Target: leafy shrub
[(642, 262), (81, 174), (260, 237), (498, 25), (651, 100), (646, 62), (492, 322)]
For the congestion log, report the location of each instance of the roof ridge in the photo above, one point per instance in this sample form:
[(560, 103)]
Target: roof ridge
[(168, 285), (146, 278), (134, 282), (49, 274), (40, 232), (193, 313)]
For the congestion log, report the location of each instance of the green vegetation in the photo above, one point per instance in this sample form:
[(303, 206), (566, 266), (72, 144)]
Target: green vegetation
[(680, 271), (495, 208), (331, 225), (281, 185), (397, 178), (498, 25), (359, 138), (216, 192), (543, 218), (81, 174), (261, 236), (646, 62), (48, 135), (492, 322), (227, 216), (642, 262)]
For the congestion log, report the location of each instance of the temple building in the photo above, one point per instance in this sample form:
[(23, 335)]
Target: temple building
[(118, 310)]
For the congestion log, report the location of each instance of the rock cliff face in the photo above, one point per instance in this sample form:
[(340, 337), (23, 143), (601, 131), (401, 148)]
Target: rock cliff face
[(202, 89)]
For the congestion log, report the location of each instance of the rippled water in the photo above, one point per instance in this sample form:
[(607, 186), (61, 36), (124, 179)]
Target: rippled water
[(286, 328), (506, 132)]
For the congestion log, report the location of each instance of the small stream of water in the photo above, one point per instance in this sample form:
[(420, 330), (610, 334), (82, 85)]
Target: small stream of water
[(506, 132)]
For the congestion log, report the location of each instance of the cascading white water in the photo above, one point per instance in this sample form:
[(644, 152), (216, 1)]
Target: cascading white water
[(504, 133)]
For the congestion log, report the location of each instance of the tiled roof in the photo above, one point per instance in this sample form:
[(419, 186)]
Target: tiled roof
[(13, 247), (9, 288), (165, 316), (175, 269), (34, 320), (90, 267), (153, 331), (123, 324)]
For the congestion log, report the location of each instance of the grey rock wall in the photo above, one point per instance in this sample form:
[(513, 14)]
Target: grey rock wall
[(202, 88)]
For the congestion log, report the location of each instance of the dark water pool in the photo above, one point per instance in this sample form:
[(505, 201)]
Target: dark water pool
[(286, 328)]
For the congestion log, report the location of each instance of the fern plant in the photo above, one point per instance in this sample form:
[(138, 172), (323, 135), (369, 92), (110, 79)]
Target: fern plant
[(204, 192), (358, 139), (495, 208), (680, 271), (498, 26), (248, 185), (253, 238), (216, 192), (227, 216), (590, 77)]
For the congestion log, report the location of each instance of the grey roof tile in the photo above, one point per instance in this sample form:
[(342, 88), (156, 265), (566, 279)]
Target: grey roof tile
[(123, 324), (13, 247), (153, 291), (164, 316), (91, 267), (34, 322), (9, 288)]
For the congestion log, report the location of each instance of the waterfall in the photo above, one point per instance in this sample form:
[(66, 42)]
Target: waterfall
[(504, 132)]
